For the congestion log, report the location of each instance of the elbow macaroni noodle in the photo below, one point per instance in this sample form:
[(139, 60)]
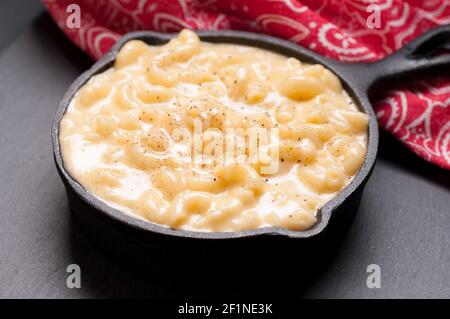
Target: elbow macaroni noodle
[(131, 136)]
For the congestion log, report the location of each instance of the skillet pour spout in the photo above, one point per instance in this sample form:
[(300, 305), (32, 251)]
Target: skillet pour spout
[(116, 229)]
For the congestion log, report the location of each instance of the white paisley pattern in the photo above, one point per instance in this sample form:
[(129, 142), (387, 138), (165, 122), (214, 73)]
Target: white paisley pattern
[(418, 114)]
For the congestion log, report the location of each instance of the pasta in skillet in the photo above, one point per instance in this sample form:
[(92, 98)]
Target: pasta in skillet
[(213, 137)]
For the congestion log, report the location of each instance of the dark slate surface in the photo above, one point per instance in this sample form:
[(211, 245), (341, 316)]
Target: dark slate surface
[(403, 224), (14, 18)]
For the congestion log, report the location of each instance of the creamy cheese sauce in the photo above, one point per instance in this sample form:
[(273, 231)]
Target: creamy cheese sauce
[(150, 136)]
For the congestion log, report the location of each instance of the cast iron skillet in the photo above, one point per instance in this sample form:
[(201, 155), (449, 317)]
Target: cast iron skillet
[(413, 60)]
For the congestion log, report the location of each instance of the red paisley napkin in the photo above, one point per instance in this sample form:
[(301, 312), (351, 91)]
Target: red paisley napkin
[(417, 114)]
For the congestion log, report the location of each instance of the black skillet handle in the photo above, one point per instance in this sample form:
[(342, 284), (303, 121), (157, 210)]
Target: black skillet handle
[(416, 59)]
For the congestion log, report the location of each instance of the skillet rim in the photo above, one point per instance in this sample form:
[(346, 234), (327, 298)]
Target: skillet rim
[(352, 85)]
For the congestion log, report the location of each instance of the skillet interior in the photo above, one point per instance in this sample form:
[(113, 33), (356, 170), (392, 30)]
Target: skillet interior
[(356, 89)]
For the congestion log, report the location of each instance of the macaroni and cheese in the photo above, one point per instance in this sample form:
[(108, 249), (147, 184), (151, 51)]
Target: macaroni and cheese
[(151, 136)]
